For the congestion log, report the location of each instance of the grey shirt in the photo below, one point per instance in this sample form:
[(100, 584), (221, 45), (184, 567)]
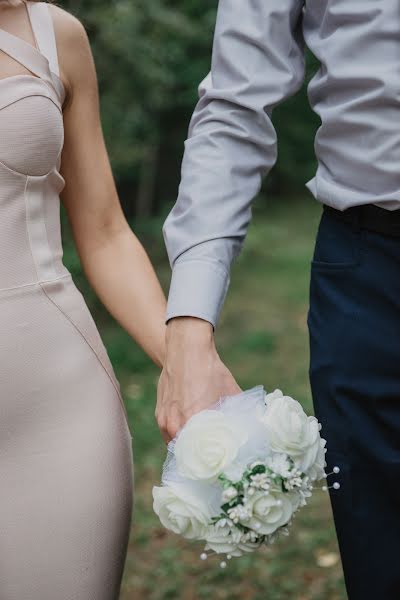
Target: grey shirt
[(258, 61)]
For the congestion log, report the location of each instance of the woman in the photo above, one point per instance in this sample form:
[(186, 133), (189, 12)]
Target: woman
[(65, 444)]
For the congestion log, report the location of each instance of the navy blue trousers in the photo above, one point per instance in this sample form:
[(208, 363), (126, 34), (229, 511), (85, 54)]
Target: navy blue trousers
[(354, 329)]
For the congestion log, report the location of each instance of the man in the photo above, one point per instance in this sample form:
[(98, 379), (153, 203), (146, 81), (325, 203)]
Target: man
[(354, 317)]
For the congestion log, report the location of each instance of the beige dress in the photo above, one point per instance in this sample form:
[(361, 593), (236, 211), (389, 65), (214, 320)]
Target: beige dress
[(66, 470)]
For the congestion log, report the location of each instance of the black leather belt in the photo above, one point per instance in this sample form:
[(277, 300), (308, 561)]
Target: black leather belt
[(369, 216)]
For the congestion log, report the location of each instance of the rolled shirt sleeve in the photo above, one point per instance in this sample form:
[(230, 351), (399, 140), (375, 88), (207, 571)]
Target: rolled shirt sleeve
[(257, 61)]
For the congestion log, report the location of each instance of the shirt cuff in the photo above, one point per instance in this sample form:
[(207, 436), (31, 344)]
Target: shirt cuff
[(198, 289)]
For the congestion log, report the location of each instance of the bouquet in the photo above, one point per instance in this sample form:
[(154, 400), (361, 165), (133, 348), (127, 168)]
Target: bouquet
[(236, 473)]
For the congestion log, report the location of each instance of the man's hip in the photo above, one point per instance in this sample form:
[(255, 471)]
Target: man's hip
[(354, 328)]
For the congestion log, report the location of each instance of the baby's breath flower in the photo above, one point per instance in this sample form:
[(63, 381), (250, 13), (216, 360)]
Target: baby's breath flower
[(253, 536), (293, 482), (260, 480), (229, 494), (236, 535), (280, 464), (239, 513)]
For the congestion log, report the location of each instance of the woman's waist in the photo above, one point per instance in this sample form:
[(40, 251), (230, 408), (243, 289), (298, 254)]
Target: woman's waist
[(14, 288)]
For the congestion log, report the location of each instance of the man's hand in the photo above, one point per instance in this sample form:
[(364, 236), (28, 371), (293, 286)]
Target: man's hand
[(193, 378)]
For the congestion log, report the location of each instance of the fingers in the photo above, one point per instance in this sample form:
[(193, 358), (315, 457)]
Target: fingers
[(167, 417), (162, 425), (168, 431), (169, 425), (159, 412), (166, 437)]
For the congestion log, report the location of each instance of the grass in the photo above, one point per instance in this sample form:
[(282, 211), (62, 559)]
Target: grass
[(262, 336)]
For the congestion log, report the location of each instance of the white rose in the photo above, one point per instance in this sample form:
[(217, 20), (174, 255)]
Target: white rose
[(224, 540), (260, 408), (207, 444), (317, 469), (247, 546), (291, 431), (234, 472), (295, 498), (273, 395), (180, 511), (267, 513), (279, 464), (221, 540)]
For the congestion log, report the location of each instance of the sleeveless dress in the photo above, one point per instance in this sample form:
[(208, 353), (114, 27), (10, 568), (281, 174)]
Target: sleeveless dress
[(66, 464)]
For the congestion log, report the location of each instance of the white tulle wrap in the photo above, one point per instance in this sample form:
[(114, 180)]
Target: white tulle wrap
[(237, 472)]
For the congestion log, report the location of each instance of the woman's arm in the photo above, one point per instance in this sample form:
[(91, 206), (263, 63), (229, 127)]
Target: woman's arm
[(113, 259)]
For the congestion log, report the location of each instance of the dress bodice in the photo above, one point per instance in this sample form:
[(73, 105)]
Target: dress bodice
[(31, 141)]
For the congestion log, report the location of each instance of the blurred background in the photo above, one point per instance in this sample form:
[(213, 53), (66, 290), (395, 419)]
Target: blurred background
[(150, 56)]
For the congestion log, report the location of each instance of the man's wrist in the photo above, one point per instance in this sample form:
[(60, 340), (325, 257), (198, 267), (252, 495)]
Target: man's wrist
[(188, 331)]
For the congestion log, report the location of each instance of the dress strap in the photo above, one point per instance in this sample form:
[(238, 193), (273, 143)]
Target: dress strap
[(25, 54), (43, 29)]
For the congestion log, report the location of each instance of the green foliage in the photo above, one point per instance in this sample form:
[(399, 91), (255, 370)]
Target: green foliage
[(151, 56)]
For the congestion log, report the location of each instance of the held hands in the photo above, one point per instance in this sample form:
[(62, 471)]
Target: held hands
[(193, 378)]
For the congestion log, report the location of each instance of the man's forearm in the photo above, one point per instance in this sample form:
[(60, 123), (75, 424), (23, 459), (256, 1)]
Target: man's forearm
[(257, 61)]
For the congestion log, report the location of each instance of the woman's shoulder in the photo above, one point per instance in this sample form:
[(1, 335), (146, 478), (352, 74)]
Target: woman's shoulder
[(73, 48), (68, 28)]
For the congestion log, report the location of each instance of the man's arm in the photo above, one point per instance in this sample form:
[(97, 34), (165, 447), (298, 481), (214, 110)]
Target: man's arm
[(257, 61)]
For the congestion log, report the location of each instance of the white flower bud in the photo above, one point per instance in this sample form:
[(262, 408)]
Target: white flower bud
[(229, 494)]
